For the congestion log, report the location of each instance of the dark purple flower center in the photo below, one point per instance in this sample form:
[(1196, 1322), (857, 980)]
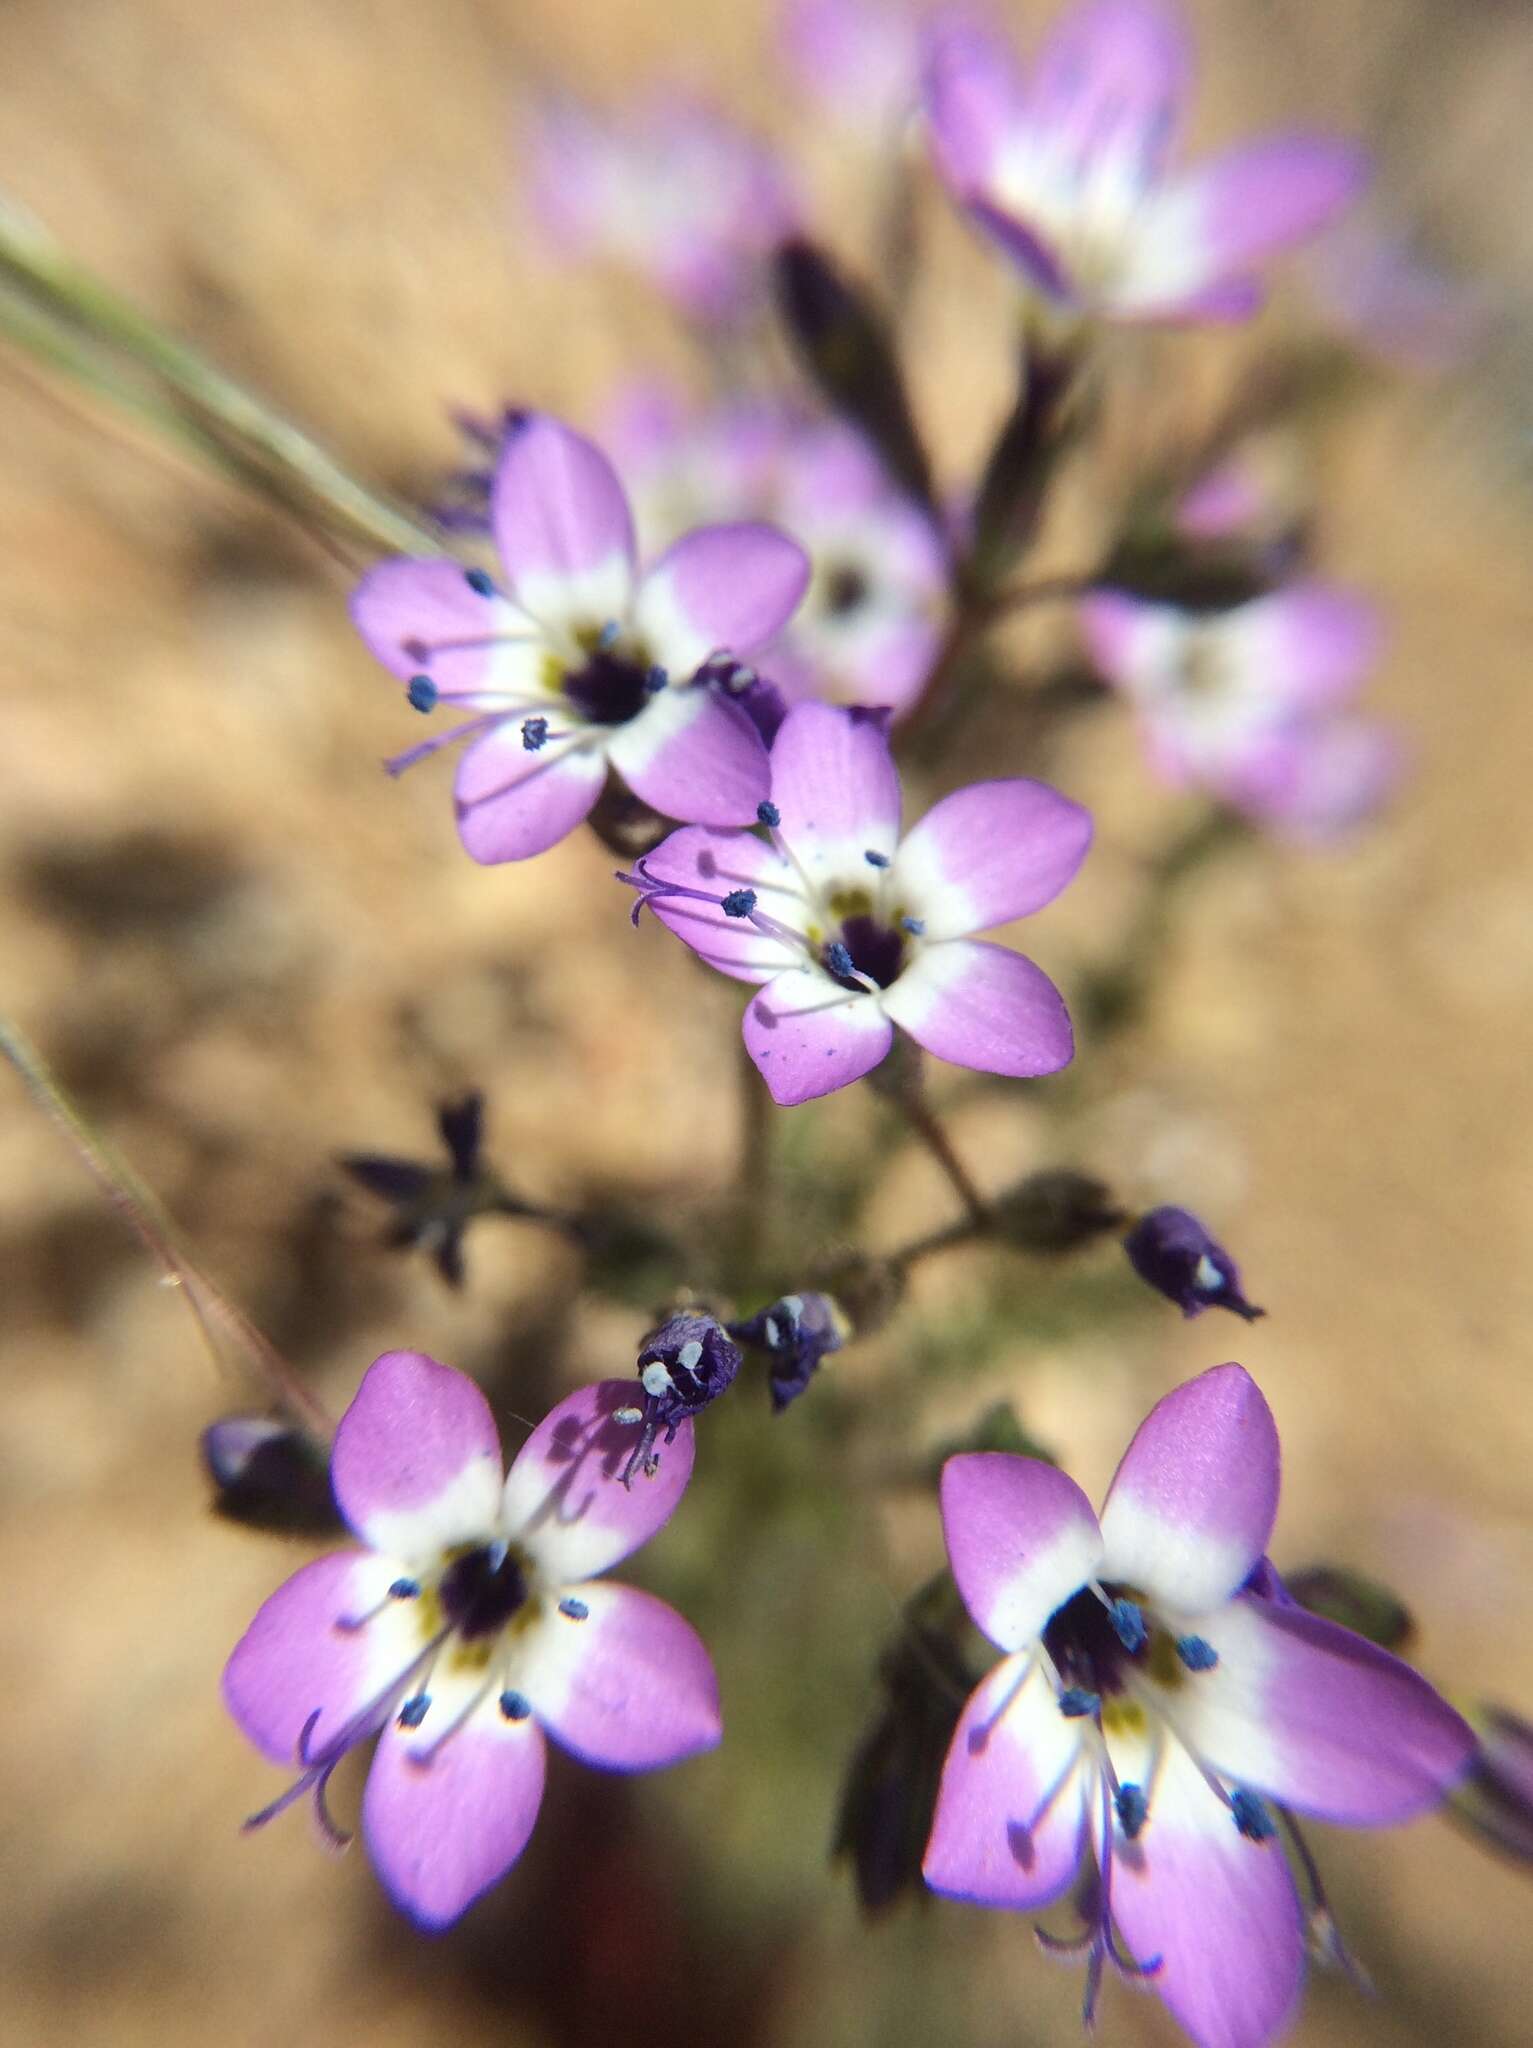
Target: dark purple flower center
[(846, 587), (1086, 1640), (874, 949), (482, 1589), (610, 689)]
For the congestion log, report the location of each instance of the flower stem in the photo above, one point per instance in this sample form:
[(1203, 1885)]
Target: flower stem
[(918, 1114), (53, 302), (139, 1208), (754, 1217)]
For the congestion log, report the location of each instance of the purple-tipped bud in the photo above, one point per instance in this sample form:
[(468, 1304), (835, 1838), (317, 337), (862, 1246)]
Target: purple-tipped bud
[(796, 1332), (1366, 1606), (683, 1365), (1495, 1800), (269, 1474), (1172, 1252)]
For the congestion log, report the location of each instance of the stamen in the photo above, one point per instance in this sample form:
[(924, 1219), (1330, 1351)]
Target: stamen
[(769, 815), (608, 635), (738, 903), (874, 859), (1128, 1625), (655, 1380), (413, 1712), (480, 582), (916, 926), (400, 762), (536, 733), (422, 693), (405, 1589), (627, 1417), (515, 1706), (1324, 1934), (689, 1355), (1196, 1653), (1133, 1810), (573, 1609), (1251, 1817), (656, 679), (1076, 1704)]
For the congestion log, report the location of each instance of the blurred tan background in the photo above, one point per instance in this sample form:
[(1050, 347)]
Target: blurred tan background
[(245, 950)]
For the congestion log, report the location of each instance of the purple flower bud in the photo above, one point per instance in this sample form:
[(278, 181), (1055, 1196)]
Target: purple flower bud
[(1495, 1800), (1172, 1252), (268, 1474), (683, 1365), (796, 1332)]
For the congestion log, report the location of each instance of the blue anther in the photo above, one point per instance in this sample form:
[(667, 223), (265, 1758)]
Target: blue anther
[(1128, 1625), (839, 960), (405, 1589), (1133, 1810), (914, 925), (480, 582), (607, 637), (422, 693), (1196, 1653), (1076, 1704), (1251, 1816), (413, 1712), (534, 733), (515, 1706), (573, 1609), (875, 859), (768, 814), (739, 903), (656, 678)]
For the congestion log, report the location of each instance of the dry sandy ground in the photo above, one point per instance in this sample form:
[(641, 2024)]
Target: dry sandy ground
[(245, 950)]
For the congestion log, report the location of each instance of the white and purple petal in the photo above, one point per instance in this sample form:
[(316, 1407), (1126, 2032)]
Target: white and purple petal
[(1107, 91), (716, 864), (562, 525), (988, 853), (974, 96), (1315, 1716), (628, 1686), (982, 1006), (1022, 1540), (1192, 1504), (1220, 1911), (564, 1498), (416, 1465), (512, 803), (1010, 1825), (836, 789), (1306, 646), (692, 754), (306, 1660), (720, 589), (809, 1036), (441, 1832), (425, 618)]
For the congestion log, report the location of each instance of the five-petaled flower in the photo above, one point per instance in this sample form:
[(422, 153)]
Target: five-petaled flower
[(586, 664), (1248, 703), (472, 1623), (1067, 168), (1161, 1701), (854, 929)]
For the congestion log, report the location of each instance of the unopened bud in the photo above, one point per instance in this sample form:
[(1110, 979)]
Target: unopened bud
[(1173, 1253)]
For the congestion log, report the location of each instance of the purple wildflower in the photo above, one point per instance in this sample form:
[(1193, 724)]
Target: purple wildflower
[(588, 663), (796, 1332), (671, 188), (469, 1626), (858, 60), (1067, 167), (1248, 703), (683, 1366), (1151, 1705), (854, 930), (1172, 1252)]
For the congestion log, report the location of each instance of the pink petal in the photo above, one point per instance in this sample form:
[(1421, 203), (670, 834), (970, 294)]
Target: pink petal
[(1135, 644), (421, 617), (974, 96), (1313, 1715), (1312, 642), (834, 782), (809, 1036), (1193, 1502), (294, 1660), (1022, 1539), (1221, 1912), (564, 1499), (416, 1465), (441, 1833), (719, 863), (1235, 210), (512, 804), (562, 525), (982, 1006), (629, 1688), (721, 589), (693, 755), (1320, 778), (988, 853), (1010, 1825), (1109, 86)]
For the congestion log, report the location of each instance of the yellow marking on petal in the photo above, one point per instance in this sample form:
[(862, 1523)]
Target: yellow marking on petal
[(1165, 1667), (1124, 1717), (847, 903)]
